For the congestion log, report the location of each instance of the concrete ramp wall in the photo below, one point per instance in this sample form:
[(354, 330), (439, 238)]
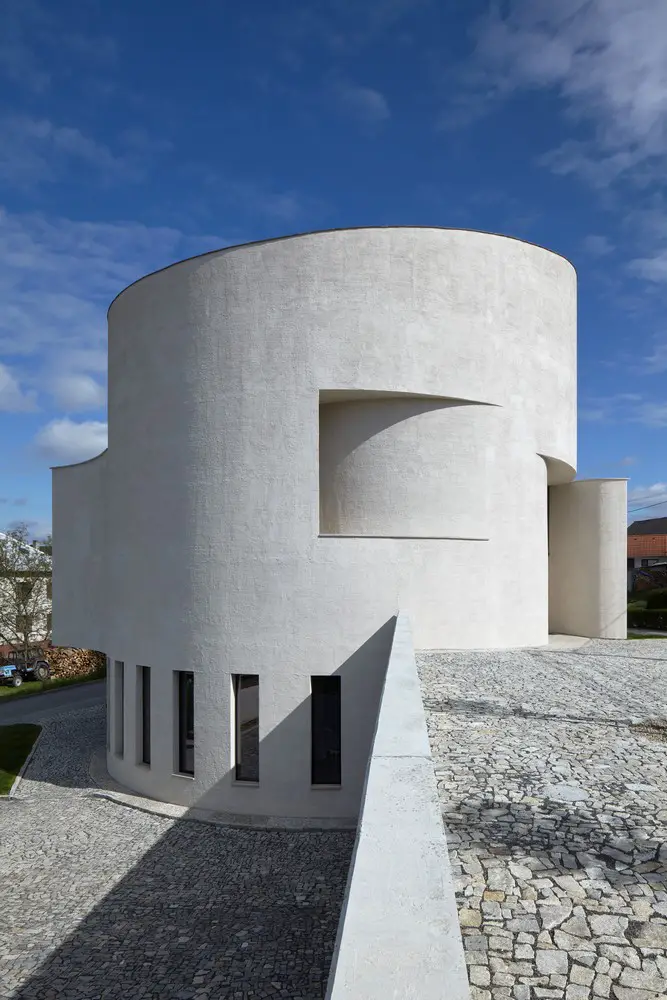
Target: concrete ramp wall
[(399, 933)]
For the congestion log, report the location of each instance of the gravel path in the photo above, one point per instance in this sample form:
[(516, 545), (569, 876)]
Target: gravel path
[(556, 811), (102, 901)]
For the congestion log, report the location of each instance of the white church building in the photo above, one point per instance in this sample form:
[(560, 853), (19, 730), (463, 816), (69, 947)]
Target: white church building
[(307, 435)]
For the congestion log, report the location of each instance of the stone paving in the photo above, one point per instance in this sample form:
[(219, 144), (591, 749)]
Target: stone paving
[(555, 803), (102, 901)]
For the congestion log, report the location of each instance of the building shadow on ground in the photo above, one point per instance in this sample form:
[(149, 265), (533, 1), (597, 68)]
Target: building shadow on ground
[(564, 838), (209, 911)]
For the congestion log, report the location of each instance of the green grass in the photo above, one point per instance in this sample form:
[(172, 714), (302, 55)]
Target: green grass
[(662, 635), (16, 742), (40, 687)]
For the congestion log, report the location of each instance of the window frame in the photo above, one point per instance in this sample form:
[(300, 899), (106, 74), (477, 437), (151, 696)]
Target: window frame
[(144, 742), (119, 708), (323, 774), (240, 772), (185, 690)]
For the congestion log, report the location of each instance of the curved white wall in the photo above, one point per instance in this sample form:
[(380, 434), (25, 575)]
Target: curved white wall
[(79, 554), (405, 468), (588, 552), (215, 562)]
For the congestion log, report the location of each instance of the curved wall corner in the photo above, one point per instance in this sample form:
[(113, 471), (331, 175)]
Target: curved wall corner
[(404, 468), (79, 498), (587, 560)]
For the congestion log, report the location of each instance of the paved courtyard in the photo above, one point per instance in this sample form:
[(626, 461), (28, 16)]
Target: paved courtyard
[(102, 901), (555, 803)]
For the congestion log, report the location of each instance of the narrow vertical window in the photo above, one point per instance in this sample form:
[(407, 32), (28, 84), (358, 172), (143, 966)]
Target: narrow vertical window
[(186, 722), (119, 707), (144, 714), (246, 726), (325, 730), (108, 698)]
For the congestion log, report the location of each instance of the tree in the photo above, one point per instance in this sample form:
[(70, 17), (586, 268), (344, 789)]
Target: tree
[(25, 591)]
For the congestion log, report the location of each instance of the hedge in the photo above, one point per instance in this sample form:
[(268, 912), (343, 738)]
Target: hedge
[(657, 599), (655, 618)]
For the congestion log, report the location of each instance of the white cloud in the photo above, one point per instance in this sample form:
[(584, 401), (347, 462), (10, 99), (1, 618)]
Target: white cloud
[(648, 501), (655, 492), (608, 61), (593, 414), (57, 278), (365, 104), (65, 441), (655, 363), (652, 414), (34, 150), (77, 392), (597, 246), (624, 407), (12, 398), (651, 268), (32, 31)]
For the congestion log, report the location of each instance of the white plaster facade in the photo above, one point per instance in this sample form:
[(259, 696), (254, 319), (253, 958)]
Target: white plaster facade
[(306, 435)]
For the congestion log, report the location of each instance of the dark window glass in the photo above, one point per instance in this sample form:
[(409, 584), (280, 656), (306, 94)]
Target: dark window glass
[(325, 730), (108, 696), (25, 588), (24, 626), (145, 694), (246, 713), (186, 722), (119, 707)]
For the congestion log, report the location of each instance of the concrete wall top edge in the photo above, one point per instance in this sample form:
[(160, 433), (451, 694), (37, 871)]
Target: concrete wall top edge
[(328, 396), (75, 465), (326, 232), (600, 479)]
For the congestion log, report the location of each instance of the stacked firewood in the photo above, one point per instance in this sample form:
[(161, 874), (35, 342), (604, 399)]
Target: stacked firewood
[(67, 662)]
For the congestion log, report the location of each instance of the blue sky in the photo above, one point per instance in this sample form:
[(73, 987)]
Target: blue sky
[(137, 134)]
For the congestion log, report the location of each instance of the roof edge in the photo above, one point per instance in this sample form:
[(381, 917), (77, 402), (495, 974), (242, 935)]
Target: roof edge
[(74, 465), (339, 229)]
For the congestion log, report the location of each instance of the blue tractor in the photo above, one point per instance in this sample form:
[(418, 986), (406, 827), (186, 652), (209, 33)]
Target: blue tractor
[(16, 668)]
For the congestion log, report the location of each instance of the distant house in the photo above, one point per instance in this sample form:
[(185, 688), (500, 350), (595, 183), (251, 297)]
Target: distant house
[(647, 542), (647, 547), (25, 595)]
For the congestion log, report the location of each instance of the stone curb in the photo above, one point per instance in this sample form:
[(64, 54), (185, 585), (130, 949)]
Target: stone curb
[(110, 790)]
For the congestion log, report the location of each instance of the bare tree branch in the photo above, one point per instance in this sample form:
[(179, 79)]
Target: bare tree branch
[(25, 591)]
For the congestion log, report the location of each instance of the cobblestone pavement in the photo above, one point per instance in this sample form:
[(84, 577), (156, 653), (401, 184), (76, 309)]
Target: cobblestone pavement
[(102, 901), (555, 804)]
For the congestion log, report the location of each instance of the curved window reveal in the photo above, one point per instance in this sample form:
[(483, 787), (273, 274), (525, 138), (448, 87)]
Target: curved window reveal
[(405, 467)]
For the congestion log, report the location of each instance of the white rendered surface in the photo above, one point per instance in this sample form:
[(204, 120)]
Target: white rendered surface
[(215, 559), (588, 543)]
